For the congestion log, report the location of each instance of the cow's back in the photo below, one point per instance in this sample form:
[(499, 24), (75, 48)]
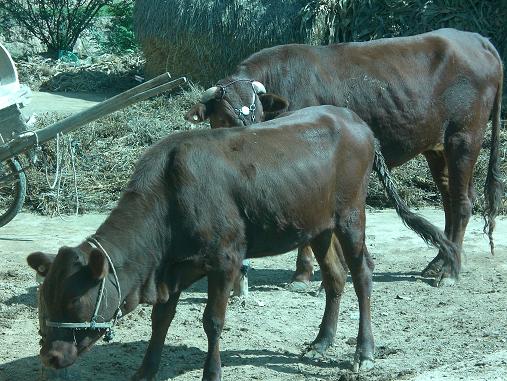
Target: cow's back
[(407, 89), (274, 183)]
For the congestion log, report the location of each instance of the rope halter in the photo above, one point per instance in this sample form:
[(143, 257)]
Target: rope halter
[(93, 324), (244, 111)]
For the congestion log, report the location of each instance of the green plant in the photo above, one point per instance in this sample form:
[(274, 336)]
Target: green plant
[(120, 35), (57, 23)]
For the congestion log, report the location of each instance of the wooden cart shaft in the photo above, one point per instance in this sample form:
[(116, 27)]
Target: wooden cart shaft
[(141, 92)]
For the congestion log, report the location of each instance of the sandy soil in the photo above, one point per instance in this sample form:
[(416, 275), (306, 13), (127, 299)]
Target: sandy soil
[(421, 332)]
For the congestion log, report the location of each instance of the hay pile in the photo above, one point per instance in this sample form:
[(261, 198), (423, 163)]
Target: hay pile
[(106, 73), (205, 39), (105, 152)]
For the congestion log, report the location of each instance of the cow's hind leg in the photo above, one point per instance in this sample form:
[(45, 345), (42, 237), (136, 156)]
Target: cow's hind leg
[(304, 270), (329, 255), (161, 318), (461, 151), (220, 283), (439, 171), (351, 234)]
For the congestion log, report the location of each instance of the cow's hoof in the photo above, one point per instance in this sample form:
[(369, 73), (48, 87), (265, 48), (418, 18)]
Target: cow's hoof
[(363, 360), (317, 349), (313, 352), (363, 365), (434, 268), (298, 286), (238, 301), (444, 280)]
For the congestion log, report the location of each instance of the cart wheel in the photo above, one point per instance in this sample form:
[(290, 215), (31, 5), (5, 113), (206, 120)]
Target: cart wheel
[(12, 190)]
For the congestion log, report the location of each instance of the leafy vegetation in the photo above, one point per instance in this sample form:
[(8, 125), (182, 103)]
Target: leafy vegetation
[(119, 36), (56, 23)]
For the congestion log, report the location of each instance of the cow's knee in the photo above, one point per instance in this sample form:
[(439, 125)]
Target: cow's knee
[(212, 324)]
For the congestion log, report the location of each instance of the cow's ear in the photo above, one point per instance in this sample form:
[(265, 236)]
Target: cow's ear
[(98, 264), (198, 113), (40, 262), (273, 103)]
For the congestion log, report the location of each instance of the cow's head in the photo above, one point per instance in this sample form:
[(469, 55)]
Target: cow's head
[(69, 295), (234, 103)]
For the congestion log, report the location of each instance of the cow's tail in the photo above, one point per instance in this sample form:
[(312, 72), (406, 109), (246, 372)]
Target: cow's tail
[(494, 187), (425, 229)]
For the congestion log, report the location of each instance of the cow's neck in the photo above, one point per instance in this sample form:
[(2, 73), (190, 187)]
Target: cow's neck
[(132, 237)]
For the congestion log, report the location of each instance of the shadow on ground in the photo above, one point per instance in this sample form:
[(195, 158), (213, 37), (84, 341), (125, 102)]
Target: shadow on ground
[(28, 299), (120, 360)]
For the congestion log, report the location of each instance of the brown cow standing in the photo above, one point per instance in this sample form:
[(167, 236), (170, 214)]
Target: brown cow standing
[(200, 202), (429, 94)]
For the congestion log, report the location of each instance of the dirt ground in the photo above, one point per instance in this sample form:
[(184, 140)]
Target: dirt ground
[(421, 332), (69, 102)]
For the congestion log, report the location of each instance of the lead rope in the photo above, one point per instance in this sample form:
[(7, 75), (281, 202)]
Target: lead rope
[(59, 180), (57, 173)]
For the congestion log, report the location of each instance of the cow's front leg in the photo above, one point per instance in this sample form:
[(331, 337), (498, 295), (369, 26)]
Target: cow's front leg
[(334, 274), (161, 318), (219, 288), (351, 233)]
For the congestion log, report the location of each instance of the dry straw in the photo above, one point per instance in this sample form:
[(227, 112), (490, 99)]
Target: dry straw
[(206, 39)]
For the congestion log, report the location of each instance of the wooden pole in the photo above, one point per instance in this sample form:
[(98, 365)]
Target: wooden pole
[(141, 92)]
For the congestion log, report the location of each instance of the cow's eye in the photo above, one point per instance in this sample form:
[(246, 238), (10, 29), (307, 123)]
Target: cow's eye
[(74, 303)]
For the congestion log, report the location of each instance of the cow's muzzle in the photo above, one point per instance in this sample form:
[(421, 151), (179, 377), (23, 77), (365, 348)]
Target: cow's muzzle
[(60, 354)]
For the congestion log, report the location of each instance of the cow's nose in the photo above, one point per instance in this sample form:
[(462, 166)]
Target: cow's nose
[(59, 354), (54, 359)]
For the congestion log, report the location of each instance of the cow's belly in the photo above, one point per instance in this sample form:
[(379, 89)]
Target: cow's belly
[(404, 129), (402, 144), (268, 242)]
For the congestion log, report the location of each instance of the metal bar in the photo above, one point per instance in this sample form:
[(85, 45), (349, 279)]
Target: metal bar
[(136, 94)]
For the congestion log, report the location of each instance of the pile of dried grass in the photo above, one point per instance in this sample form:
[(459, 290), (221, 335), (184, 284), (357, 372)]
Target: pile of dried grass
[(205, 39), (105, 153), (107, 73)]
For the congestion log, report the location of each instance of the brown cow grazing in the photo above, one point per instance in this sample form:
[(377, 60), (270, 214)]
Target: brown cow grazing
[(200, 202), (429, 94)]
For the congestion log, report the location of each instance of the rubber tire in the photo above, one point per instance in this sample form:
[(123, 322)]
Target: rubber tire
[(20, 192)]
